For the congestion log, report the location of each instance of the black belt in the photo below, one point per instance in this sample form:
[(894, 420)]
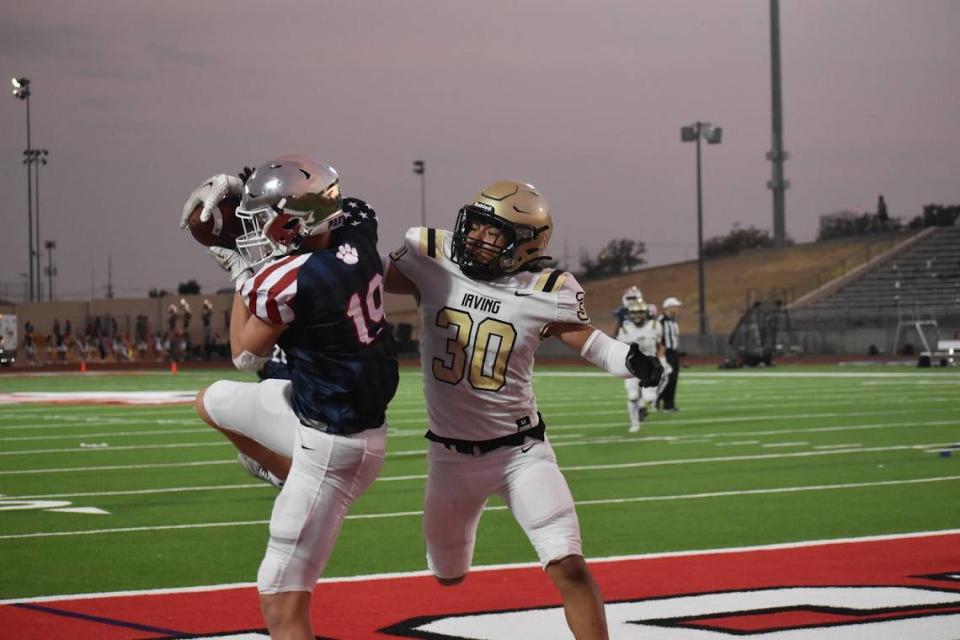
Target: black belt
[(480, 447)]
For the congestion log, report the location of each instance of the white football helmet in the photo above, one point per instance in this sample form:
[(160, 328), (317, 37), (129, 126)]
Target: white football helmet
[(285, 201)]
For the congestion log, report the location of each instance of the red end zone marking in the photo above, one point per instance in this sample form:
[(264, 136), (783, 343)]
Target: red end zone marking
[(356, 610)]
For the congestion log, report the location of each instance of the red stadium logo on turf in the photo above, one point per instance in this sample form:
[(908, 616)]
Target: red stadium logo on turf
[(899, 587)]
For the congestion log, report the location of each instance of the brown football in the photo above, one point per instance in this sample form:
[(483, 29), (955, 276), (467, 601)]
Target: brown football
[(222, 229)]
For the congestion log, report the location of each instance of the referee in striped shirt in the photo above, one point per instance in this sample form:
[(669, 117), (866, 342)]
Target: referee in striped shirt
[(671, 343)]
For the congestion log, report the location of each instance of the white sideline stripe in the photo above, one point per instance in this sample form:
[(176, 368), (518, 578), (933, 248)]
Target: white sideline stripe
[(493, 567), (404, 514), (772, 445)]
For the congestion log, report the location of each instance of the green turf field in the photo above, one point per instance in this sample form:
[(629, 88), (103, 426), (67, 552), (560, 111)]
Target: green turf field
[(783, 455)]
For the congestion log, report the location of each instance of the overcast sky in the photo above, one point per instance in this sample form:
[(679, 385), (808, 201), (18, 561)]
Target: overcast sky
[(139, 102)]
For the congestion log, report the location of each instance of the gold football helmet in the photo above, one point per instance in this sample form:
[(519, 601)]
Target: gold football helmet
[(506, 229), (636, 308)]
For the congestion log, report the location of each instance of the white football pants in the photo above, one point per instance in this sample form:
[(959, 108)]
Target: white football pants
[(526, 477), (329, 472)]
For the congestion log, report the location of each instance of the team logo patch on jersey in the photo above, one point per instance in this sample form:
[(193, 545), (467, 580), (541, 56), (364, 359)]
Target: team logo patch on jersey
[(348, 254)]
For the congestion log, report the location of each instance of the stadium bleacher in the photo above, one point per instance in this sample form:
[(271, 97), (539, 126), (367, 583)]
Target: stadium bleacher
[(922, 280)]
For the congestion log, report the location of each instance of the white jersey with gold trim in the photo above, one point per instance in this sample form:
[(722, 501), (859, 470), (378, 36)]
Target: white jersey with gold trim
[(478, 338), (646, 336)]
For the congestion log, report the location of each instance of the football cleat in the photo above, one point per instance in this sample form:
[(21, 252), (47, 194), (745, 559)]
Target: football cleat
[(258, 471)]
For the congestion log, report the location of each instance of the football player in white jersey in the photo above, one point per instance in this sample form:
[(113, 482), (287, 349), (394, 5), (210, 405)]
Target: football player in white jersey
[(638, 325), (484, 309)]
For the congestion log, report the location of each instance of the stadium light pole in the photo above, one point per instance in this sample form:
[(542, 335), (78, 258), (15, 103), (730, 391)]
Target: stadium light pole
[(712, 134), (420, 168), (50, 245), (37, 157), (21, 91)]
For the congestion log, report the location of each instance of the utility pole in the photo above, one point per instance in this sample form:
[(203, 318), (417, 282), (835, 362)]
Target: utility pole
[(713, 135), (21, 91)]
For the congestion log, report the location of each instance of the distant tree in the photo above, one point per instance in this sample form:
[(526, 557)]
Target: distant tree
[(619, 256), (936, 215), (188, 287), (846, 223), (737, 240), (157, 293)]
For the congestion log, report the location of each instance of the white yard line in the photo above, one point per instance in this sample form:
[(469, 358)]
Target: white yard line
[(493, 567), (579, 503), (848, 445), (104, 434), (609, 440), (597, 467)]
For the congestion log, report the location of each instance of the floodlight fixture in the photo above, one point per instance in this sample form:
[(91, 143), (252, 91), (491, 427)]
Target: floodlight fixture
[(712, 134)]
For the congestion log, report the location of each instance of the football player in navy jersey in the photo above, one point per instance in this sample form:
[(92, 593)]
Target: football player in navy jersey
[(309, 279)]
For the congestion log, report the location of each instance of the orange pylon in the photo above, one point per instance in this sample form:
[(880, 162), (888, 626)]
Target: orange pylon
[(83, 366), (173, 367)]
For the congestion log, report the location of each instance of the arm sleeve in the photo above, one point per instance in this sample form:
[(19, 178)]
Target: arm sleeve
[(608, 354), (269, 294)]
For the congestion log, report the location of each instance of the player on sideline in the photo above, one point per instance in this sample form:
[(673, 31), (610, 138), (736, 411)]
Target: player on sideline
[(484, 308), (637, 324), (318, 294)]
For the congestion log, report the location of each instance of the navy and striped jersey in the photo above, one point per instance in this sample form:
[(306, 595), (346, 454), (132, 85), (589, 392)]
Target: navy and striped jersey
[(341, 357)]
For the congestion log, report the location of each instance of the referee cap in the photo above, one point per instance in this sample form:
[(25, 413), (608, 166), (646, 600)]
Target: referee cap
[(671, 302)]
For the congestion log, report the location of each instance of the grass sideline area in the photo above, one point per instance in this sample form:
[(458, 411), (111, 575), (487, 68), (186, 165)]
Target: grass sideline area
[(753, 457)]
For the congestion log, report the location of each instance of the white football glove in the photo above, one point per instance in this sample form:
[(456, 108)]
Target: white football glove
[(209, 194), (232, 261)]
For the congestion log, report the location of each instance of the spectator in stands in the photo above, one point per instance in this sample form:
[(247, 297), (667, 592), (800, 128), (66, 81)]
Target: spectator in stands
[(172, 318), (120, 349), (671, 344), (205, 317), (29, 346), (58, 341), (187, 314)]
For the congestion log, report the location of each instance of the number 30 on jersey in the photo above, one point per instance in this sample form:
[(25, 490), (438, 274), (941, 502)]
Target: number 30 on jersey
[(480, 355)]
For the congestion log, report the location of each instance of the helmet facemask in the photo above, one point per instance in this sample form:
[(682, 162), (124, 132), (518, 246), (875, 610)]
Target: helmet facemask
[(637, 312), (485, 245)]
